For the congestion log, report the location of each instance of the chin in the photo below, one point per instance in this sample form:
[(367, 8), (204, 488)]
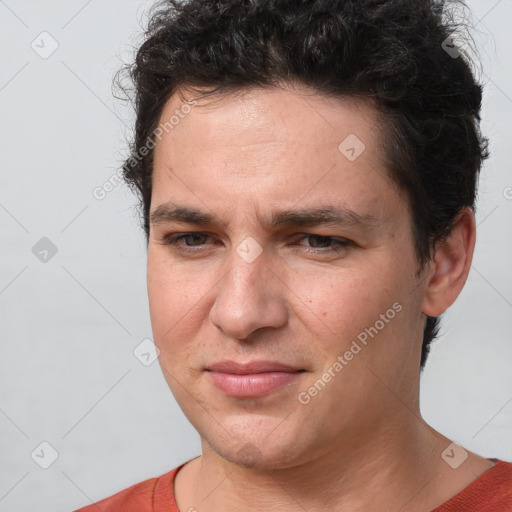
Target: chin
[(259, 454)]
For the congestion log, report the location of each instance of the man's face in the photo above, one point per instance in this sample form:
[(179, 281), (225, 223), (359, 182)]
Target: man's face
[(341, 302)]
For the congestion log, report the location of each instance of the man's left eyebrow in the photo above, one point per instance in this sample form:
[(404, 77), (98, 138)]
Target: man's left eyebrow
[(328, 216)]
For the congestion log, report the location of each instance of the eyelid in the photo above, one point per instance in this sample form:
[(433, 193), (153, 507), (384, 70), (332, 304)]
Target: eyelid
[(339, 243), (174, 238), (330, 237)]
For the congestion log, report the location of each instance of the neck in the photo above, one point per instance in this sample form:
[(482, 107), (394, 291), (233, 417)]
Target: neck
[(391, 467)]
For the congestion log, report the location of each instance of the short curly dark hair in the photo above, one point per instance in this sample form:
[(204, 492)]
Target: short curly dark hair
[(396, 53)]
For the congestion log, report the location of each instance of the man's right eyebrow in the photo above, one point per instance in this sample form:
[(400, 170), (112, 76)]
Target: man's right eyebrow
[(169, 212)]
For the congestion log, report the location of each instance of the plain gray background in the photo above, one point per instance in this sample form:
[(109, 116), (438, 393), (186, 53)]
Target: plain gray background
[(70, 324)]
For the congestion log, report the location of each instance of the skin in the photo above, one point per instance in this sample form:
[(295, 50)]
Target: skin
[(360, 443)]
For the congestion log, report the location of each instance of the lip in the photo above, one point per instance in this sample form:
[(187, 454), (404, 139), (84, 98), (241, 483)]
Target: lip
[(251, 380), (251, 367)]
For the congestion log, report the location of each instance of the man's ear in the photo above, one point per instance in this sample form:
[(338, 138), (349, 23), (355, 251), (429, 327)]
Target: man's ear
[(451, 265)]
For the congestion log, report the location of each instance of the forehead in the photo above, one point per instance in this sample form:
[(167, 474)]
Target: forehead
[(285, 115), (274, 147)]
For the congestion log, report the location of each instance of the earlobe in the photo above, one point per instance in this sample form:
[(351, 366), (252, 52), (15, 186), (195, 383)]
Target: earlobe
[(451, 265)]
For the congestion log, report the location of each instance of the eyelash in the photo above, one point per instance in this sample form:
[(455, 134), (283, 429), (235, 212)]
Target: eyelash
[(342, 243)]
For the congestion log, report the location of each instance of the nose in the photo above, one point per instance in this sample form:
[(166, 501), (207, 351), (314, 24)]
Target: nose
[(250, 296)]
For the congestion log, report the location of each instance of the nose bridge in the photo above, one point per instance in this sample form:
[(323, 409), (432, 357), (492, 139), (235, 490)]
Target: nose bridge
[(246, 300), (247, 271)]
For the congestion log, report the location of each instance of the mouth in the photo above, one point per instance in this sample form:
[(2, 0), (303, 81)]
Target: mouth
[(251, 380)]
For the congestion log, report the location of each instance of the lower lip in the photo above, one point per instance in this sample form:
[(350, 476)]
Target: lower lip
[(251, 385)]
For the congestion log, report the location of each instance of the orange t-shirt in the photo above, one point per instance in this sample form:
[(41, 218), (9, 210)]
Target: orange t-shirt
[(491, 492)]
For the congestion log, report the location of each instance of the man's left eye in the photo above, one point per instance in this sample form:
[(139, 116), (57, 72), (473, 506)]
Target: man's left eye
[(321, 243)]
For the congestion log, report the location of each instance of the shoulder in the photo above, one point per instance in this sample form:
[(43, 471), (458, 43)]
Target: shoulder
[(491, 492), (141, 497), (496, 482)]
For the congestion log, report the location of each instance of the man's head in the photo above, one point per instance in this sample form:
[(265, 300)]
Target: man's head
[(396, 56), (307, 172)]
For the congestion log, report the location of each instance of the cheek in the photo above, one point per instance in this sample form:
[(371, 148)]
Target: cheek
[(342, 302), (357, 313), (176, 301)]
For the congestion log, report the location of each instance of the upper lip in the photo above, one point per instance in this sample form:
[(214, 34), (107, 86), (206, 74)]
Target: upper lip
[(251, 367)]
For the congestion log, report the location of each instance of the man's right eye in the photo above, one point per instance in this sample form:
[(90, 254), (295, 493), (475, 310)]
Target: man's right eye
[(175, 240)]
